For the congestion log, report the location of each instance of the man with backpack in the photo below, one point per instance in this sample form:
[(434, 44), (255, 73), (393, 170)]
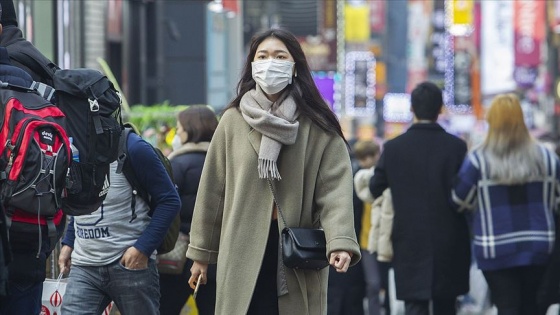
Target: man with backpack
[(112, 250), (27, 269)]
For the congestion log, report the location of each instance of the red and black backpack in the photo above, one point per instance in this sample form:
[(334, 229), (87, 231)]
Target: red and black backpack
[(34, 160)]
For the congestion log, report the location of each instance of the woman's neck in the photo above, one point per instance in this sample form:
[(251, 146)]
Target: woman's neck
[(273, 97)]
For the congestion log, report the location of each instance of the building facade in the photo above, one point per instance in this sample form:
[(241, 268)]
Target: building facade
[(180, 52)]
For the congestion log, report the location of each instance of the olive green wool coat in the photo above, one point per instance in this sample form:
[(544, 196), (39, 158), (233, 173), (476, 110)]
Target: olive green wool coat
[(233, 212)]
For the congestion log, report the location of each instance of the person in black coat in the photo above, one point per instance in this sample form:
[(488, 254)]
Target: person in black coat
[(346, 291), (430, 240), (195, 128)]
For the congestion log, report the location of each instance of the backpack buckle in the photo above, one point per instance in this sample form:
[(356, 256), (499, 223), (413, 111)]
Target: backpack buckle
[(93, 105), (9, 145), (120, 97)]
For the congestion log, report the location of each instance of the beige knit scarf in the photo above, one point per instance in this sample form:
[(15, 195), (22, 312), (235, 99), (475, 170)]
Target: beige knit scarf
[(277, 123)]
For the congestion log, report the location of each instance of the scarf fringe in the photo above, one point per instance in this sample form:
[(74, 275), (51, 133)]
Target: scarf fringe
[(268, 169)]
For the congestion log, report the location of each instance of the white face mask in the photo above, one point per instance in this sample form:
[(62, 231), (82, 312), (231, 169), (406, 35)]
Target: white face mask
[(176, 143), (272, 75)]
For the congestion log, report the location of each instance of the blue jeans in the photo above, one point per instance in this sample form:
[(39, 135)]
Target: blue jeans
[(23, 299), (91, 289)]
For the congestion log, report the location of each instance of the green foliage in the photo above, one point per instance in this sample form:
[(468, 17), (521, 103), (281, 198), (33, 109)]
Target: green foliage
[(155, 116), (160, 118)]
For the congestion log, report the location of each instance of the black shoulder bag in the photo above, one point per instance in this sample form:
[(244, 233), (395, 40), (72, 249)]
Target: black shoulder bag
[(302, 248)]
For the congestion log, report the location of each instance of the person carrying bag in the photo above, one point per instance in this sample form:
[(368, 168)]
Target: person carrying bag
[(194, 130)]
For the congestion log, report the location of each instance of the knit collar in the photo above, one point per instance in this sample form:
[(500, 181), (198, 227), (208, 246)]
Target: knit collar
[(188, 148)]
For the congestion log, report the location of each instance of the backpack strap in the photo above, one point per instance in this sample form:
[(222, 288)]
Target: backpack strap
[(24, 89), (24, 53), (123, 150), (46, 91), (121, 168), (125, 166), (4, 238), (51, 232)]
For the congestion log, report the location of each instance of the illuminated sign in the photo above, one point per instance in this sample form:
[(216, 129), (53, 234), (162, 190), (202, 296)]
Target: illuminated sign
[(359, 86)]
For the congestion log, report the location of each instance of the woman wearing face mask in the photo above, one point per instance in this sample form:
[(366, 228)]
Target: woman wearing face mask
[(195, 128), (278, 130)]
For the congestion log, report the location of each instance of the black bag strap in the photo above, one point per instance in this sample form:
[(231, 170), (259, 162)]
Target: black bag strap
[(51, 232), (124, 167), (4, 235), (46, 91), (276, 202), (24, 89)]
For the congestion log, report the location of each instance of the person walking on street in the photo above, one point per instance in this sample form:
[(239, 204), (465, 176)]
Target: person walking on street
[(511, 182), (376, 273), (195, 128), (111, 252), (278, 133), (430, 241)]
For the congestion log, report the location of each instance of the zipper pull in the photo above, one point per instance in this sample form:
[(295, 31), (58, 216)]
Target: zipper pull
[(10, 148), (9, 145)]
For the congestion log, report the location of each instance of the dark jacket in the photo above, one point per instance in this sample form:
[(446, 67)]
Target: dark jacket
[(354, 277), (187, 168), (12, 74), (430, 240), (42, 69)]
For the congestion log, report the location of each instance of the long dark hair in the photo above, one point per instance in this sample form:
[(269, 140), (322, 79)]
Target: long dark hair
[(303, 89)]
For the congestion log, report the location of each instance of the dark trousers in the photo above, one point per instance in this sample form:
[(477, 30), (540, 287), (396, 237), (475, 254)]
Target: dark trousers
[(372, 281), (439, 306), (175, 292), (513, 290), (345, 300), (265, 295), (23, 299), (384, 268)]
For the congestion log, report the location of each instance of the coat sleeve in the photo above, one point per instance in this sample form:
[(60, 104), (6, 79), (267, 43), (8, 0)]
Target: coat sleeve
[(361, 184), (555, 165), (206, 224), (333, 198), (384, 243), (464, 193), (70, 234), (161, 190), (374, 229), (378, 182)]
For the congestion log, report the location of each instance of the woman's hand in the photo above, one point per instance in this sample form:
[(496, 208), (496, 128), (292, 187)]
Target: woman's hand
[(197, 269), (340, 260)]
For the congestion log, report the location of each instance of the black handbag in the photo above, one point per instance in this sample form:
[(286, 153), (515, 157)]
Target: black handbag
[(302, 248)]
